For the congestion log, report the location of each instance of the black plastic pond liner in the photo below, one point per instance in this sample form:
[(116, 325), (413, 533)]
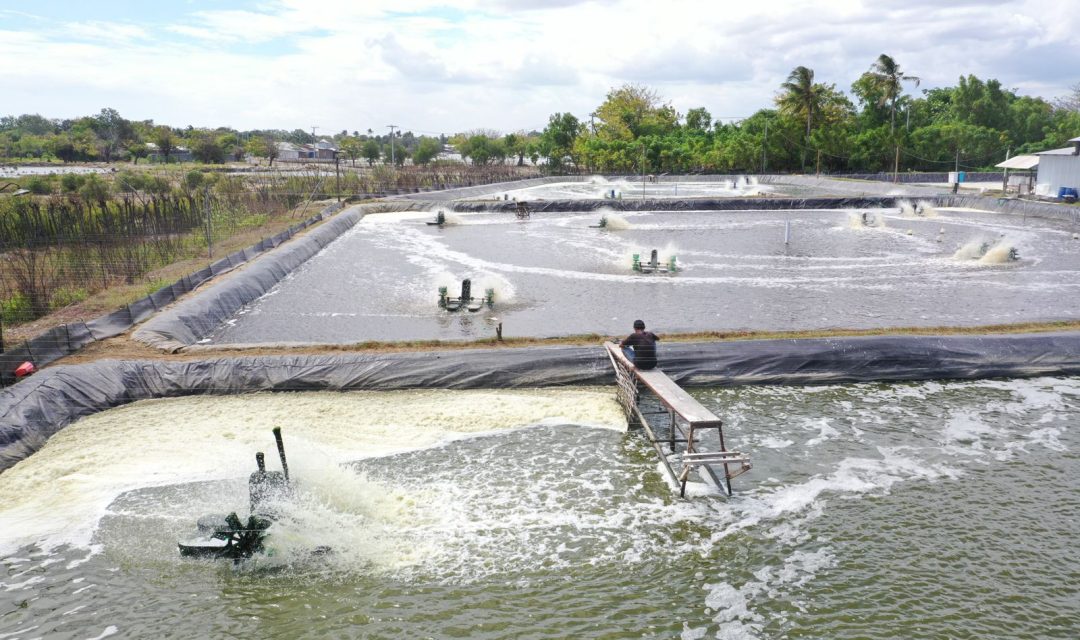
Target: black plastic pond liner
[(67, 339), (42, 405)]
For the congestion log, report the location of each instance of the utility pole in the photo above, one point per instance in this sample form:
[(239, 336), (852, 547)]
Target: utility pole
[(896, 166), (315, 149), (393, 161)]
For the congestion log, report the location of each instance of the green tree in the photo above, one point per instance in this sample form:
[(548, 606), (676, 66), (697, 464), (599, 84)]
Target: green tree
[(263, 147), (482, 149), (887, 79), (230, 145), (698, 120), (371, 151), (165, 141), (802, 98), (138, 150), (426, 150), (352, 147), (632, 111), (113, 130), (205, 147), (557, 140)]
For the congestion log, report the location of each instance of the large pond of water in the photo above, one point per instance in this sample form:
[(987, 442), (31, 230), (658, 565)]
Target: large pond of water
[(556, 274), (917, 510)]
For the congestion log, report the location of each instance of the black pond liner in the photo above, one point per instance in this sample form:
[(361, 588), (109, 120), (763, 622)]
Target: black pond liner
[(35, 409)]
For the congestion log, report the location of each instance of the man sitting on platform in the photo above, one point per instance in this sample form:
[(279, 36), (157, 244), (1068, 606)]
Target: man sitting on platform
[(640, 347)]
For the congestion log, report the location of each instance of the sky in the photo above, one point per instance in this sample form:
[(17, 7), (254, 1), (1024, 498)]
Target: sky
[(444, 67)]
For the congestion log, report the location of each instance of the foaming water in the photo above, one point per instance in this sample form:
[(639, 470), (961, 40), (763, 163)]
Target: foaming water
[(55, 496), (507, 521)]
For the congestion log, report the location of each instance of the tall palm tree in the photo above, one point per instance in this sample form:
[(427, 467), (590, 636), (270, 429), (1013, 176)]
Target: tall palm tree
[(801, 97), (888, 78)]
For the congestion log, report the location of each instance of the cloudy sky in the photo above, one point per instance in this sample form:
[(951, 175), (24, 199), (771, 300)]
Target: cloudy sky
[(448, 66)]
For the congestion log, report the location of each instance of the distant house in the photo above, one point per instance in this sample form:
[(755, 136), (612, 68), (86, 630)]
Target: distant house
[(178, 154), (288, 152), (1058, 168), (325, 150)]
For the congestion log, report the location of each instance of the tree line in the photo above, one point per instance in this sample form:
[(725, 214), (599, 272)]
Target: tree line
[(814, 126), (879, 124)]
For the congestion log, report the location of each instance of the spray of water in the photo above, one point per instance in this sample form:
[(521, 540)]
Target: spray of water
[(926, 209), (865, 220), (1000, 253), (616, 222), (907, 209), (987, 251)]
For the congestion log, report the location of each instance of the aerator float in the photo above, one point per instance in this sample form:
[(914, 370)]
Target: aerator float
[(227, 536), (440, 219), (466, 299), (654, 265)]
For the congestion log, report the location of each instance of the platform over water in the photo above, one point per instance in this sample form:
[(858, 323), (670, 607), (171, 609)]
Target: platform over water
[(687, 421)]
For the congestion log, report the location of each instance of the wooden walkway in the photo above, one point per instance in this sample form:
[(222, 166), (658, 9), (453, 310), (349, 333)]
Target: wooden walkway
[(687, 418)]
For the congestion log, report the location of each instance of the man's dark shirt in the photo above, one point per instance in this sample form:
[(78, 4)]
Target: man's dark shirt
[(644, 345)]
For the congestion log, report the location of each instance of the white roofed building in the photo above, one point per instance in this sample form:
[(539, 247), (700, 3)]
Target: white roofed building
[(1058, 168)]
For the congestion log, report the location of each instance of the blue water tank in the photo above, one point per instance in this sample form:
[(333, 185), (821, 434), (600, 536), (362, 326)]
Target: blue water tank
[(960, 176), (1068, 194)]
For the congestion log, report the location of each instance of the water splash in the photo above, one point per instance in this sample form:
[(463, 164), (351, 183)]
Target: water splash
[(616, 222), (866, 220), (988, 251), (1002, 252)]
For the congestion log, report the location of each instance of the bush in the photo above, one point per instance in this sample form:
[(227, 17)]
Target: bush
[(129, 181), (16, 309), (70, 182), (65, 296), (193, 180), (39, 185), (94, 189), (157, 185)]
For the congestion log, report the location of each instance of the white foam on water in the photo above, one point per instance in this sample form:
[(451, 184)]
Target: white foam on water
[(57, 495)]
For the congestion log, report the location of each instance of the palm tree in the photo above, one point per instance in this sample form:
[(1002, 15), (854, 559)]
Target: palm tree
[(802, 98), (885, 75)]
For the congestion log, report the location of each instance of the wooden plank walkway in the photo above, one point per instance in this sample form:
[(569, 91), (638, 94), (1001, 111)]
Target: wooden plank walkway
[(688, 417)]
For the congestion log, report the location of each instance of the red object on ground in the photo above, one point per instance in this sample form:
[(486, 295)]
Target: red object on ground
[(25, 369)]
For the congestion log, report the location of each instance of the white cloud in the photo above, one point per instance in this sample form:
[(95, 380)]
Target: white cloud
[(446, 66)]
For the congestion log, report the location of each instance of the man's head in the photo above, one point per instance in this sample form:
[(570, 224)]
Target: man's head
[(639, 325)]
